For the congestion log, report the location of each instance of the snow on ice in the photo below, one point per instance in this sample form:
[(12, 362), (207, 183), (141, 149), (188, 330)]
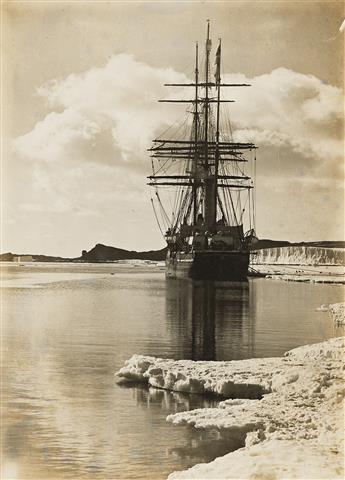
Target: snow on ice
[(337, 279), (288, 410), (337, 311), (301, 264), (299, 255)]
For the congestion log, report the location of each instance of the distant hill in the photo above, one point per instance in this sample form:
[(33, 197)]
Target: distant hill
[(11, 257), (104, 253), (99, 253)]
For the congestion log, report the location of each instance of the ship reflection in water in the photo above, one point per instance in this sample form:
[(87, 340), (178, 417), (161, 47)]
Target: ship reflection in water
[(212, 320)]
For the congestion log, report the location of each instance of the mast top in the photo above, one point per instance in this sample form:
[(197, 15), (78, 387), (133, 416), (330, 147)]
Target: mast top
[(208, 40)]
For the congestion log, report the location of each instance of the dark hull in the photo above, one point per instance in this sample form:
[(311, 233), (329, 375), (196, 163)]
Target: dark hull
[(208, 265)]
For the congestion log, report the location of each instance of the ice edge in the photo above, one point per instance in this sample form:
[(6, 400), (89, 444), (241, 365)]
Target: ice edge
[(289, 409)]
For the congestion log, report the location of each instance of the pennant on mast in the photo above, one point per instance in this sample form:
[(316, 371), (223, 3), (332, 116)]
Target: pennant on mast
[(217, 63)]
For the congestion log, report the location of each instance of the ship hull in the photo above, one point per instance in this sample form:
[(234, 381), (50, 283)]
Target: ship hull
[(208, 265)]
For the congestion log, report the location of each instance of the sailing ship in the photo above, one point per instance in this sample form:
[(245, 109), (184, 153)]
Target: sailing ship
[(207, 172)]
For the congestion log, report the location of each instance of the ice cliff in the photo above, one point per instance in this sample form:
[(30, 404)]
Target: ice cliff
[(299, 256)]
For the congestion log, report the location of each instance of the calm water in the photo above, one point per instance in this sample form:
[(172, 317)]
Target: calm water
[(68, 328)]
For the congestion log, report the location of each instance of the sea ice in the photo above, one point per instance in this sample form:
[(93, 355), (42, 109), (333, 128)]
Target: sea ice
[(287, 410), (307, 278), (337, 311)]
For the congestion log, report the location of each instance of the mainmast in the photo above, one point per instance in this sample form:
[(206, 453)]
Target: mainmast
[(216, 160), (210, 204), (196, 121)]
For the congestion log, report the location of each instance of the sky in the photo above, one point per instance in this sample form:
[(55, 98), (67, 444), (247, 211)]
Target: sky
[(81, 82)]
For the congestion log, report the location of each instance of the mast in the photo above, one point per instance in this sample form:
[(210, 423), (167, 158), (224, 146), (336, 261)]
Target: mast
[(216, 162), (209, 178), (208, 49), (195, 164)]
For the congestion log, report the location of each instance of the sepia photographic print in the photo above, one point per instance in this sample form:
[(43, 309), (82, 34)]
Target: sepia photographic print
[(172, 240)]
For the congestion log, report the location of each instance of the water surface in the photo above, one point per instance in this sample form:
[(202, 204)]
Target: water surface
[(67, 328)]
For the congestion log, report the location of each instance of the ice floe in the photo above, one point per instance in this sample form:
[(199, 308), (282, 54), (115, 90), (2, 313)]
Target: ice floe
[(305, 278), (287, 411), (316, 273), (337, 311), (244, 379)]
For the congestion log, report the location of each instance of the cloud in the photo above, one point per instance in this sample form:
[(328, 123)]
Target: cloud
[(342, 27), (110, 114), (105, 114), (84, 164), (286, 108)]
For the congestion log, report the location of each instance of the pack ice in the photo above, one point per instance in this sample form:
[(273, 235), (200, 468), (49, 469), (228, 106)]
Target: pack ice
[(288, 410)]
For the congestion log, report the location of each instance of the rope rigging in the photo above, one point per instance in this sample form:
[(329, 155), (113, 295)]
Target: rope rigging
[(197, 150)]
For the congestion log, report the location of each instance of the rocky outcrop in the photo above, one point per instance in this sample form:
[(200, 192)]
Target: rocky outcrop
[(104, 253)]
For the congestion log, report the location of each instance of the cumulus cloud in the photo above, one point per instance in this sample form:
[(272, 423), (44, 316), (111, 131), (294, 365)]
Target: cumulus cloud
[(105, 114), (289, 108), (87, 156), (342, 27), (109, 114)]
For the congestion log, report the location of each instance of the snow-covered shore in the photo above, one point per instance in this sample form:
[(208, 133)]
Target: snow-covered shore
[(300, 276), (334, 274), (288, 410)]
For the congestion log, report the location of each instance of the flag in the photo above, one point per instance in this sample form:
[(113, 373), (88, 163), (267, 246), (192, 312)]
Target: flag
[(217, 63)]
